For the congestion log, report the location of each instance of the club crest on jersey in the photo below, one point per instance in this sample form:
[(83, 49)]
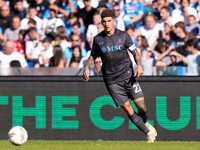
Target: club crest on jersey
[(119, 41), (112, 48)]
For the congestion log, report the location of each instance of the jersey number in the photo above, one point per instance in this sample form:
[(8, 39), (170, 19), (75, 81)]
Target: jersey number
[(137, 88)]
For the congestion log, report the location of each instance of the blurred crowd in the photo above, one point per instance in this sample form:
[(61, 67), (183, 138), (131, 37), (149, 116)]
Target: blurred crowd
[(59, 33)]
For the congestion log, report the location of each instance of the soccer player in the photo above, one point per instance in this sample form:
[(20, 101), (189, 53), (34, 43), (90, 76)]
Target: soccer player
[(120, 80)]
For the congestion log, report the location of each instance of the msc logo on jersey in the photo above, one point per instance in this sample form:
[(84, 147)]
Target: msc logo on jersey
[(112, 48)]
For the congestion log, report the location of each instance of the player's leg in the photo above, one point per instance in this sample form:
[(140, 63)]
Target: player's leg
[(135, 92), (118, 93), (135, 119), (142, 112)]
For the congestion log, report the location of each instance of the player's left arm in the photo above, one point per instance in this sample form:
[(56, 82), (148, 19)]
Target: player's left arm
[(139, 71)]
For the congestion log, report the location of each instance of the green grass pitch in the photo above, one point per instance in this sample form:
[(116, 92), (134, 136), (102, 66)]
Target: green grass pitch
[(99, 145)]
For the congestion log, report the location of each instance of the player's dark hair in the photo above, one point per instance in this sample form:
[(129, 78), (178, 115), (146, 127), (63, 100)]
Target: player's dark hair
[(192, 42), (107, 13), (32, 21)]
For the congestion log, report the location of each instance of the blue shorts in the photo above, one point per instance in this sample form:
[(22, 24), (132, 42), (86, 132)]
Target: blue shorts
[(123, 90)]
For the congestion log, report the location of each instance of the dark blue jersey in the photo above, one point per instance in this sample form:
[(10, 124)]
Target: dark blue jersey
[(117, 65)]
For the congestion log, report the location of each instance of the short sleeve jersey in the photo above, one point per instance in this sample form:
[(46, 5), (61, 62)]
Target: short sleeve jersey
[(133, 9), (117, 65)]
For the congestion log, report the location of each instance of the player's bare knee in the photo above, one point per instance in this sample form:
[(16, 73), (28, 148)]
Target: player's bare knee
[(128, 108), (140, 105)]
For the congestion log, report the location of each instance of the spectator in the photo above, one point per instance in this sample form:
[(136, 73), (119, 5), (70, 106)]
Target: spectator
[(2, 3), (193, 26), (50, 25), (32, 23), (75, 41), (149, 30), (42, 6), (32, 14), (131, 31), (20, 44), (100, 27), (142, 43), (122, 20), (176, 65), (5, 18), (161, 4), (86, 14), (174, 5), (77, 60), (9, 54), (68, 24), (134, 10), (96, 69), (183, 13), (61, 40), (63, 8), (47, 53), (111, 3), (165, 38), (179, 30), (168, 29), (92, 28), (197, 7), (146, 3), (58, 59), (11, 34), (165, 16), (19, 9), (33, 46), (193, 59), (102, 6), (148, 63), (77, 30)]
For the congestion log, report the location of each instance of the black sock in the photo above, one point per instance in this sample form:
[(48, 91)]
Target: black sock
[(143, 115), (137, 120)]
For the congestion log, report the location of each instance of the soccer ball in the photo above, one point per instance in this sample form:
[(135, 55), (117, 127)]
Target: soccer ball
[(18, 135)]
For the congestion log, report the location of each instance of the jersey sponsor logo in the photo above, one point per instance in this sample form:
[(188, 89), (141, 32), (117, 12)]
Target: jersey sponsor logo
[(112, 48)]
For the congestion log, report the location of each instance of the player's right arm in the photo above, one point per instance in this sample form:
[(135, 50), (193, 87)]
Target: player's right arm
[(88, 65)]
